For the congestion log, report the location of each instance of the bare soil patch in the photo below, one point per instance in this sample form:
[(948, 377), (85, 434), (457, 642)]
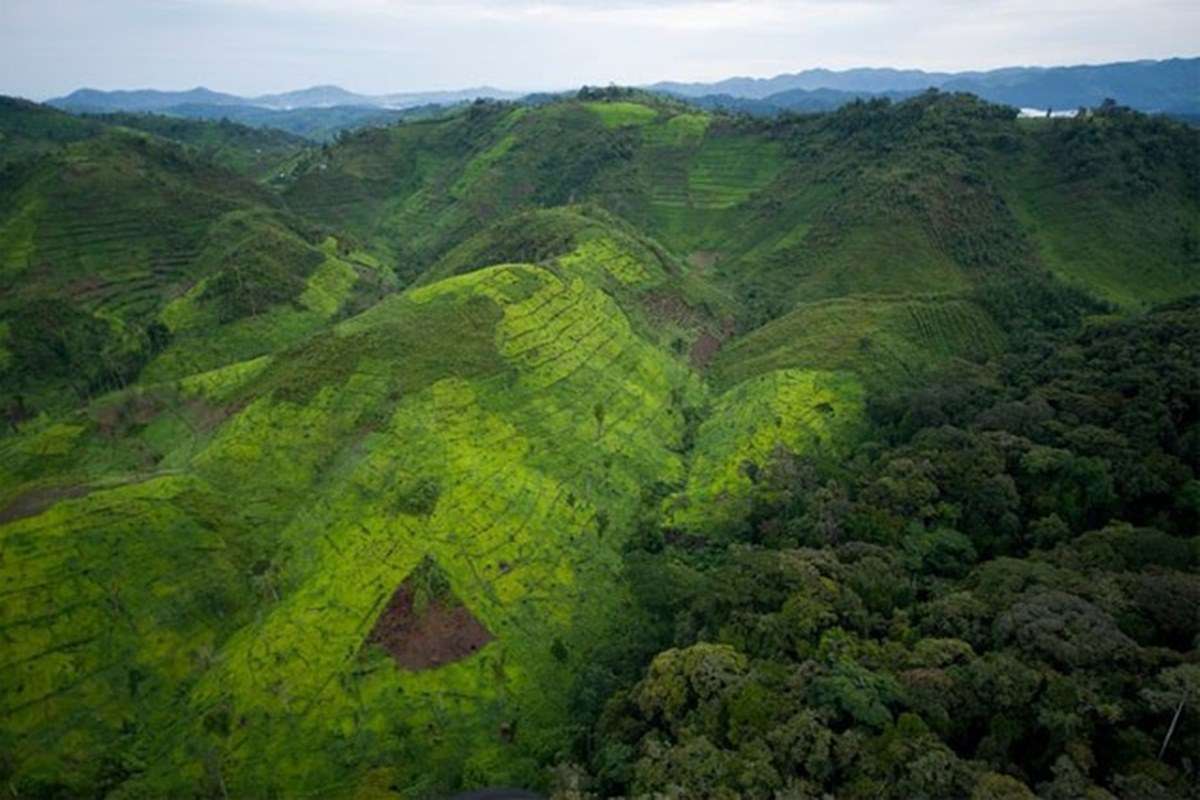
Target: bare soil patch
[(665, 308), (703, 350), (704, 260), (425, 635), (35, 501)]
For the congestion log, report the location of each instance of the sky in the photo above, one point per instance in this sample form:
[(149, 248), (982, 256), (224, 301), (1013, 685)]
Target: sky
[(51, 47)]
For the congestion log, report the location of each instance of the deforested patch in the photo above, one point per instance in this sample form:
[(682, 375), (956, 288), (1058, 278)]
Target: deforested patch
[(424, 625), (35, 501)]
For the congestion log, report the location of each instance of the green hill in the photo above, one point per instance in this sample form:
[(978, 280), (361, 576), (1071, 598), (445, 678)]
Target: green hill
[(262, 153), (120, 246), (300, 490), (28, 129), (371, 470)]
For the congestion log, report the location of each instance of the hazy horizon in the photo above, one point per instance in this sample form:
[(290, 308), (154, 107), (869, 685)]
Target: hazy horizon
[(255, 47)]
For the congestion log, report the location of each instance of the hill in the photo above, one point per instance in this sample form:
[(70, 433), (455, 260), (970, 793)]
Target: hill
[(520, 537), (139, 100), (603, 432), (28, 130), (934, 194), (318, 113), (254, 151), (317, 124), (124, 247)]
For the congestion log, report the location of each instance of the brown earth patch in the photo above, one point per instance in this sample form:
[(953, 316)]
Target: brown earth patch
[(703, 350), (206, 416), (439, 632), (35, 501), (670, 308), (117, 419), (704, 260)]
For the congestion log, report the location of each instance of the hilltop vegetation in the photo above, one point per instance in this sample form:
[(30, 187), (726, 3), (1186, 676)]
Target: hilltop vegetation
[(28, 130), (313, 124), (603, 446), (256, 152)]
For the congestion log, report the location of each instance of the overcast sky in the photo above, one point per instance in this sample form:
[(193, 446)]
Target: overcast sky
[(50, 47)]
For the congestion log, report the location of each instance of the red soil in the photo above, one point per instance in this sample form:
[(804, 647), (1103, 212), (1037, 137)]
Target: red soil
[(703, 350), (438, 634)]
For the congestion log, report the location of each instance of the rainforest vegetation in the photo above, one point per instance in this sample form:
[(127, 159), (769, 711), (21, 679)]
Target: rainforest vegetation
[(603, 446)]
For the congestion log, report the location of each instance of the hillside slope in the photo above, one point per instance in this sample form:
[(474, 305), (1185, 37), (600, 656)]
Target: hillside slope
[(528, 414), (340, 485), (941, 194), (120, 245)]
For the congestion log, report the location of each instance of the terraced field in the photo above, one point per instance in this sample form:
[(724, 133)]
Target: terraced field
[(122, 233), (517, 477), (349, 514), (761, 421), (727, 170), (887, 340)]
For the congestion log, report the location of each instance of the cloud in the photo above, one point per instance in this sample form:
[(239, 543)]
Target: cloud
[(252, 46)]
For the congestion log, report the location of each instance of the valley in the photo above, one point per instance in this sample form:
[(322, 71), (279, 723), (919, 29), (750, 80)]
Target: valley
[(337, 470)]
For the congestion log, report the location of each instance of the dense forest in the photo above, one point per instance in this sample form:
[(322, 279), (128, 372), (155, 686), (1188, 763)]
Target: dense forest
[(997, 595), (603, 446)]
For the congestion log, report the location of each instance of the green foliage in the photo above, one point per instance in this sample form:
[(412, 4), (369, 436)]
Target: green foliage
[(29, 130), (768, 458), (258, 267), (257, 152), (967, 627)]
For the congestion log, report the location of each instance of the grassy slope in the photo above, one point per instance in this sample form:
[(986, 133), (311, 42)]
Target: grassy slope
[(312, 531), (504, 420), (1113, 205), (120, 244), (28, 130), (885, 340), (261, 153)]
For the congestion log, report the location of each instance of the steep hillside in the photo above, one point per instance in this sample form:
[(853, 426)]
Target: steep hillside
[(941, 194), (1111, 204), (358, 482), (529, 416), (116, 247), (28, 130), (256, 152)]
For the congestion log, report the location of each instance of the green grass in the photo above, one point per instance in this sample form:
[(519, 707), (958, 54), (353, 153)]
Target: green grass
[(491, 312), (1131, 246), (526, 468), (887, 341), (809, 413), (621, 114), (680, 130)]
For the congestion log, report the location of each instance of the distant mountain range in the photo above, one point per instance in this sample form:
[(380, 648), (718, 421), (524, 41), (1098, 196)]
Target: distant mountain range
[(96, 101), (1171, 86), (319, 112)]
